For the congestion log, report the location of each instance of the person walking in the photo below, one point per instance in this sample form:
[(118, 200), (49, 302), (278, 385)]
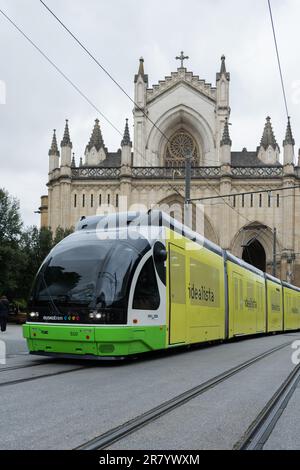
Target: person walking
[(4, 310)]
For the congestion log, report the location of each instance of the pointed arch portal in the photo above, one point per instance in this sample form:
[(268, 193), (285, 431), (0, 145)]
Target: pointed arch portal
[(254, 253), (254, 243)]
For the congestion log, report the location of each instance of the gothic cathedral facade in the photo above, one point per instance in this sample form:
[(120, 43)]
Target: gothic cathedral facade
[(181, 115)]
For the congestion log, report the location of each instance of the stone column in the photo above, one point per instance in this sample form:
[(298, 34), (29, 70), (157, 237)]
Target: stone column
[(225, 212), (125, 188), (288, 215)]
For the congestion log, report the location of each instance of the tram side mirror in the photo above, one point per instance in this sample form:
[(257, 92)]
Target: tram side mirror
[(160, 257)]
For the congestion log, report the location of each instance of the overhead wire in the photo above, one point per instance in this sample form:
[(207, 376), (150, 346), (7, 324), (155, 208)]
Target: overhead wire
[(122, 89), (80, 43), (76, 87), (60, 71), (278, 59)]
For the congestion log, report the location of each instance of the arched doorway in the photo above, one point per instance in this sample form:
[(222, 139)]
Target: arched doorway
[(254, 253), (255, 245)]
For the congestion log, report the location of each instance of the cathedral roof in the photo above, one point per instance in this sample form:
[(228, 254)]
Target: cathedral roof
[(245, 158), (112, 160), (54, 148), (66, 142), (96, 139), (268, 137)]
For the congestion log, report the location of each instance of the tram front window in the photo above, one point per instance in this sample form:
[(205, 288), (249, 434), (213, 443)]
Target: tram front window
[(96, 274)]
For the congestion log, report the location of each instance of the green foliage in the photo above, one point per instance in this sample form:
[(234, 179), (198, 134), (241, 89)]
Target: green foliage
[(35, 245), (11, 263), (10, 219), (10, 233), (61, 233), (22, 251)]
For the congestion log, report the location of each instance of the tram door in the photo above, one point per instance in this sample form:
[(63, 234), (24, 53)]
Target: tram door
[(177, 300), (238, 313)]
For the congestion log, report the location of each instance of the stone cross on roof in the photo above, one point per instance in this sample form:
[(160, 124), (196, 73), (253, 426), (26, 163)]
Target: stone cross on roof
[(182, 57)]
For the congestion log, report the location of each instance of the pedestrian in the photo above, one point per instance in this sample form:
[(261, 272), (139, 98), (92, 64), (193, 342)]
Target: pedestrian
[(4, 310)]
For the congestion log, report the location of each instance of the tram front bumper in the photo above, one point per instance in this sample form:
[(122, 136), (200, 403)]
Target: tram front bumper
[(93, 340)]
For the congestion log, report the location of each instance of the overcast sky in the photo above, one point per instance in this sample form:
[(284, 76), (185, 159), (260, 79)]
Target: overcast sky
[(118, 33)]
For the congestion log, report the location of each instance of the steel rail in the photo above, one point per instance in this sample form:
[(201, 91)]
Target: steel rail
[(24, 366), (44, 376), (260, 430), (113, 435)]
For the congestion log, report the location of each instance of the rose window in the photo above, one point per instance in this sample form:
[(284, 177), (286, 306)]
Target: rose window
[(179, 146)]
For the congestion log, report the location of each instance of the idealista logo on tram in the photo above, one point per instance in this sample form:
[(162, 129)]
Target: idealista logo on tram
[(201, 293)]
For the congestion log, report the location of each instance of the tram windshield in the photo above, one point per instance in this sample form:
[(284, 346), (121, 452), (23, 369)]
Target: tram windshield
[(90, 272)]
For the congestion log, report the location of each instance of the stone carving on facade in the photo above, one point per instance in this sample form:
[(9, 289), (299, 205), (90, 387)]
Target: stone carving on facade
[(185, 77)]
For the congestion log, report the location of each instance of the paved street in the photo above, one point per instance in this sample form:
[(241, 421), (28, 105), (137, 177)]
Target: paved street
[(15, 343), (78, 401)]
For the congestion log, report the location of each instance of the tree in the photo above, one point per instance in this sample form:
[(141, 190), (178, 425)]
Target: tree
[(22, 251), (36, 244), (10, 233), (61, 233), (10, 219)]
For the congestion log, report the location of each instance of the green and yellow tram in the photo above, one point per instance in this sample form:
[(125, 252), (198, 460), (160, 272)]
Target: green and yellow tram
[(133, 283)]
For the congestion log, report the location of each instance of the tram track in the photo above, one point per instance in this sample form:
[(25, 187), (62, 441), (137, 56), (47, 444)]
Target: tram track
[(42, 376), (106, 439), (25, 366), (262, 427)]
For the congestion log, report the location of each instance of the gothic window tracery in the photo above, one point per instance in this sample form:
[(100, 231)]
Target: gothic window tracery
[(179, 145)]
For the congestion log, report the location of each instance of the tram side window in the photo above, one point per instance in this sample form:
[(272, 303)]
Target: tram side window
[(146, 294)]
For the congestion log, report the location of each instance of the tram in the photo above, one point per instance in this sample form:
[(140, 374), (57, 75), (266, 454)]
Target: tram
[(132, 283)]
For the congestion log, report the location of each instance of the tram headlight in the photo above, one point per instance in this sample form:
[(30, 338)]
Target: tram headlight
[(33, 314), (96, 315)]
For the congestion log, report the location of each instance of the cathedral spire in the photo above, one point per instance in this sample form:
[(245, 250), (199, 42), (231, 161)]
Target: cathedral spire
[(73, 163), (223, 71), (268, 138), (141, 67), (66, 142), (289, 139), (226, 137), (288, 146), (126, 138), (96, 139), (141, 72), (223, 65), (54, 148)]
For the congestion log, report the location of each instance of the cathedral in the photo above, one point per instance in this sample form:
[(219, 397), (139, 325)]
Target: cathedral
[(183, 114)]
